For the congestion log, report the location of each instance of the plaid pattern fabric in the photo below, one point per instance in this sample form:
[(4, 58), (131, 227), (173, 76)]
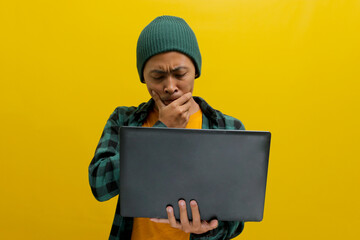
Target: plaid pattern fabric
[(104, 167)]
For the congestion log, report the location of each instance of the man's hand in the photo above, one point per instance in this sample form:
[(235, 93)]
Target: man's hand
[(176, 114), (196, 226)]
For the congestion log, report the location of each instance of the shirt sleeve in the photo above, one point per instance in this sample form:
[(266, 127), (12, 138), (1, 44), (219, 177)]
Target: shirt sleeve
[(104, 167)]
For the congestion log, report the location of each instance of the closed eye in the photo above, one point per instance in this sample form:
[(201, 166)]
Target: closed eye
[(180, 75), (158, 78)]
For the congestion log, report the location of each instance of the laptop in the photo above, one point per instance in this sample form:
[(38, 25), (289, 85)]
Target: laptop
[(225, 171)]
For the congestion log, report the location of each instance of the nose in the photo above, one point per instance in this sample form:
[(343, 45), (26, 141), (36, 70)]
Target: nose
[(170, 86)]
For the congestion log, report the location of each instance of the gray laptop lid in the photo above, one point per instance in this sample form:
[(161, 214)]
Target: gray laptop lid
[(225, 171)]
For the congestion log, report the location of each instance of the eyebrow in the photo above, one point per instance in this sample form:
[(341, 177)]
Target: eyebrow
[(172, 70)]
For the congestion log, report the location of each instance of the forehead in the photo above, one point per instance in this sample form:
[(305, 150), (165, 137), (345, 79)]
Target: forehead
[(168, 60)]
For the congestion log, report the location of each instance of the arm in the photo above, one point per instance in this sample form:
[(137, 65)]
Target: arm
[(104, 167)]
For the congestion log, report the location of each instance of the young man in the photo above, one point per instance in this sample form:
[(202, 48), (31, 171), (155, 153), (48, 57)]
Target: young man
[(168, 61)]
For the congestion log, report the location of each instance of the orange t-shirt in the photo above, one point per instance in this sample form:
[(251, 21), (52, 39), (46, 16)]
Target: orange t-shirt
[(143, 228)]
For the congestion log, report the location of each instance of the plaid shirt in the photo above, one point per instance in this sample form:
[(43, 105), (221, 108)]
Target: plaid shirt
[(104, 167)]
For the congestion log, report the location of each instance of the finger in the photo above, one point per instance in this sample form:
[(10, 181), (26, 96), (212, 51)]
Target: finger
[(183, 99), (213, 224), (159, 220), (185, 107), (187, 116), (171, 217), (196, 220), (157, 99), (184, 220)]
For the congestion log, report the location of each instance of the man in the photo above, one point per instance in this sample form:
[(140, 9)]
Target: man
[(168, 61)]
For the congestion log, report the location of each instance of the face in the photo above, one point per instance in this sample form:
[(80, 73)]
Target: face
[(170, 75)]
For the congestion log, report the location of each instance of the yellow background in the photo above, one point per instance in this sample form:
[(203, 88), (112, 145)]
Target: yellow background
[(288, 66)]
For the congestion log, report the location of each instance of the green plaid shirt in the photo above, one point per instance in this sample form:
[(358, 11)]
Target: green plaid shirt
[(104, 167)]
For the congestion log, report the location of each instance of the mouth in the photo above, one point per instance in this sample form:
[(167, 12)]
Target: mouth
[(168, 101)]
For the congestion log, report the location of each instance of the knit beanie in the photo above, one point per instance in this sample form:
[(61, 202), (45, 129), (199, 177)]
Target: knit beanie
[(163, 34)]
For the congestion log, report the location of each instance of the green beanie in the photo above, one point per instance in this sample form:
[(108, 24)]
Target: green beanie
[(163, 34)]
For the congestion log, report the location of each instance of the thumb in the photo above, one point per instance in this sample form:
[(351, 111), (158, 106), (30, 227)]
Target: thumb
[(214, 223), (157, 99)]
